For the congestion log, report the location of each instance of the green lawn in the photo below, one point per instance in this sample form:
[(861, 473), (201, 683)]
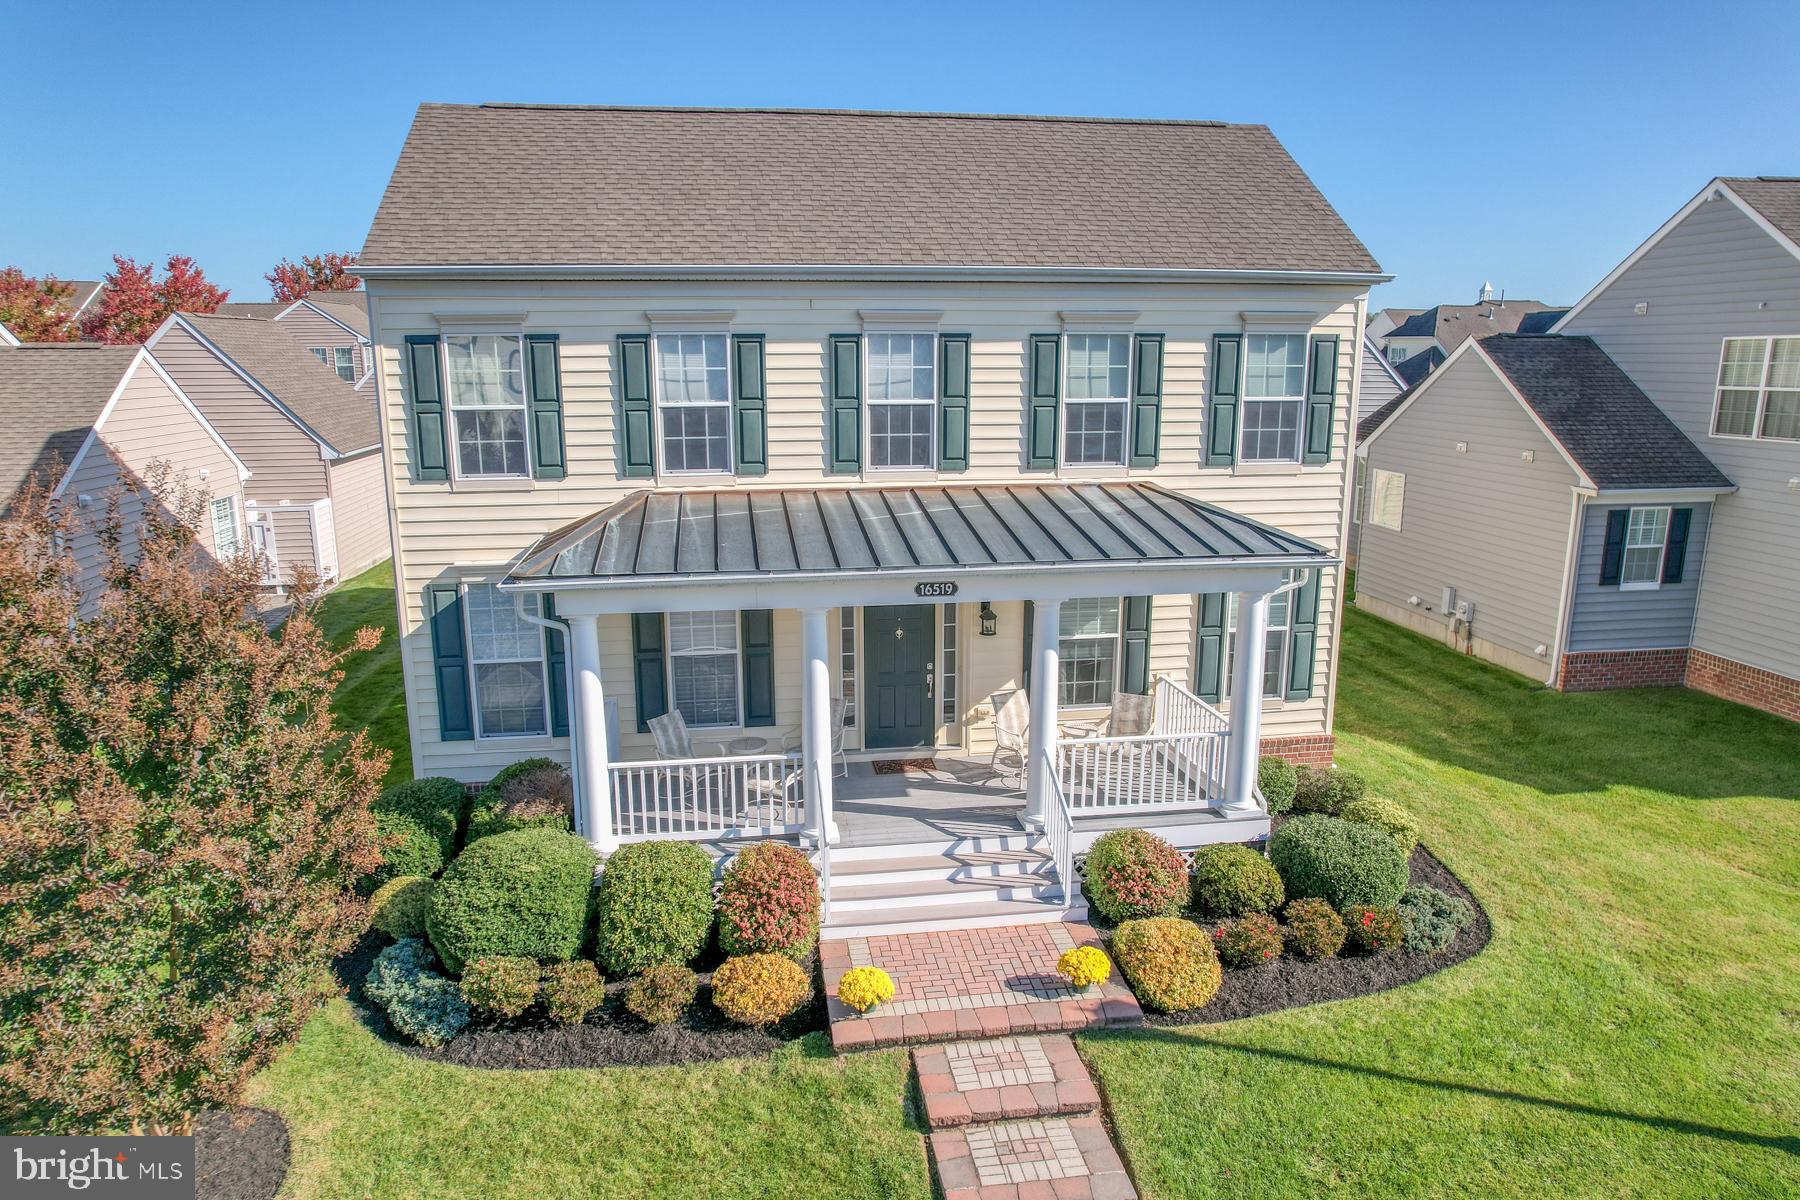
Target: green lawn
[(370, 697)]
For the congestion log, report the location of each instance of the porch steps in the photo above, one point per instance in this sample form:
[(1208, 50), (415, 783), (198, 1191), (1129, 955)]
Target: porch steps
[(967, 883)]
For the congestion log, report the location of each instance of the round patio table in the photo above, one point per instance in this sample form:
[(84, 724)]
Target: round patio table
[(747, 745)]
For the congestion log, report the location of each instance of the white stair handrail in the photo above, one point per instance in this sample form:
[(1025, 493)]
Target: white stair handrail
[(1059, 828)]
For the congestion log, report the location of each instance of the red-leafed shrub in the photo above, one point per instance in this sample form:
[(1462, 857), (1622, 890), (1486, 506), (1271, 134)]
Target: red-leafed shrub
[(769, 903), (1132, 874), (1249, 941), (1374, 929)]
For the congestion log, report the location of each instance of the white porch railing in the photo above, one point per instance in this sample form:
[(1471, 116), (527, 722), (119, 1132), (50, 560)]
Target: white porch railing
[(1059, 830), (1180, 711), (703, 799), (1179, 764)]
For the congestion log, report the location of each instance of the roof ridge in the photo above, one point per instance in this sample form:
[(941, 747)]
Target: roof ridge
[(903, 114)]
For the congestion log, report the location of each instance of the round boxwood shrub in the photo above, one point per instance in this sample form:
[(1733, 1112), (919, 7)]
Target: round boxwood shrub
[(769, 903), (1374, 927), (489, 795), (1314, 930), (1230, 881), (398, 906), (541, 798), (502, 985), (1277, 778), (407, 847), (1432, 918), (1386, 816), (436, 804), (1132, 874), (572, 990), (1249, 941), (760, 989), (1169, 963), (662, 993), (1339, 862), (420, 1003), (654, 905), (523, 894)]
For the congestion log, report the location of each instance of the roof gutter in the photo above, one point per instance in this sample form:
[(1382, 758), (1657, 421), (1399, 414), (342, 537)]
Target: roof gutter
[(861, 273)]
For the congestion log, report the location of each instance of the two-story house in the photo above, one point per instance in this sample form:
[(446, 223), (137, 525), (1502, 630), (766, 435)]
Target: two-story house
[(969, 482), (331, 326)]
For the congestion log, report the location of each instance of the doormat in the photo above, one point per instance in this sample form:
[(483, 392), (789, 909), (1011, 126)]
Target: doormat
[(899, 766)]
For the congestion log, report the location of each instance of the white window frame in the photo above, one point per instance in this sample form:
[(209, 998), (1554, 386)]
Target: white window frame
[(869, 402), (451, 407), (343, 361), (1245, 399), (670, 654), (1278, 656), (1763, 389), (662, 402), (476, 662), (1116, 637), (1122, 402), (1662, 548), (231, 519), (1376, 494), (1397, 354)]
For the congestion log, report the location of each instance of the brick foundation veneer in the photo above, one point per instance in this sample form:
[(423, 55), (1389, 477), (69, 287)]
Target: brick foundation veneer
[(1732, 680), (1311, 750), (1604, 670)]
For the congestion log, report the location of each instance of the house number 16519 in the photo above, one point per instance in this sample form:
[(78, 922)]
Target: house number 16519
[(943, 587)]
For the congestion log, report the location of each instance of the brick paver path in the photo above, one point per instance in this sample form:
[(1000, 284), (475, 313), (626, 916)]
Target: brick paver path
[(1011, 1077)]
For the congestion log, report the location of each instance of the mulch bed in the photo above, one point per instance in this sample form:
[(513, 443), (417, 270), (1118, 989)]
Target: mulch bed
[(239, 1154)]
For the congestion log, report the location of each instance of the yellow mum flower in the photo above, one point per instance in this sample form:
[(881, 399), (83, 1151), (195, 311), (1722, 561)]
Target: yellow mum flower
[(862, 988), (1084, 966)]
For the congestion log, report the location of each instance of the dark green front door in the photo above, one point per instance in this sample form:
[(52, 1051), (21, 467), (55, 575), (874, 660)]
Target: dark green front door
[(901, 654)]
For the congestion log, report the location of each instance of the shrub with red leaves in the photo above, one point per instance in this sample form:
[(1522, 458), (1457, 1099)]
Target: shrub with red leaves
[(769, 903), (1249, 941), (1373, 929), (1132, 874)]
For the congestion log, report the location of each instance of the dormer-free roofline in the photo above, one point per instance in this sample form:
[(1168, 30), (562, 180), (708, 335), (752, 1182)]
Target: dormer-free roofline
[(840, 272)]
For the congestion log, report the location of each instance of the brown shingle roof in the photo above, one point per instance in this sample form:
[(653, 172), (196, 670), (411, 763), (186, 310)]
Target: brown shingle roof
[(50, 395), (351, 308), (341, 416), (1776, 197), (544, 185)]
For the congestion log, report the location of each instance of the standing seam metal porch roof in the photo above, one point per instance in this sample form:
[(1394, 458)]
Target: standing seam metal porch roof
[(790, 532)]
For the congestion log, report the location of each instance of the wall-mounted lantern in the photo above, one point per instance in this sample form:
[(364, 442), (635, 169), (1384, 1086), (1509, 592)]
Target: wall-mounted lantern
[(990, 624)]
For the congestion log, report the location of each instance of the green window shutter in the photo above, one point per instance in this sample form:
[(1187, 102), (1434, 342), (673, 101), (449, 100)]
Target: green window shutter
[(1303, 638), (1209, 647), (749, 404), (1146, 399), (450, 657), (431, 443), (1675, 553), (845, 408), (953, 402), (1134, 672), (758, 653), (637, 432), (1025, 672), (1222, 402), (556, 658), (1612, 555), (1041, 413), (1321, 399), (647, 662), (548, 460)]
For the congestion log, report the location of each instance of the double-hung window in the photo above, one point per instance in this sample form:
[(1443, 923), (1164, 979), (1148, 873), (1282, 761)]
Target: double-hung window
[(1397, 354), (339, 359), (1646, 538), (1275, 643), (1759, 388), (1387, 497), (224, 527), (703, 666), (506, 657), (902, 400), (1274, 397), (486, 389), (1097, 404), (693, 384), (1087, 663)]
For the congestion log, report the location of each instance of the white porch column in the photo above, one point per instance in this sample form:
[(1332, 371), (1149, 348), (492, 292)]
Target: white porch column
[(593, 781), (1244, 747), (1046, 628), (815, 723)]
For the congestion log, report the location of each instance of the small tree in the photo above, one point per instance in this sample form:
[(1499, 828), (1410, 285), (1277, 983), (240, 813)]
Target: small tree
[(181, 826), (37, 310), (328, 272), (133, 302)]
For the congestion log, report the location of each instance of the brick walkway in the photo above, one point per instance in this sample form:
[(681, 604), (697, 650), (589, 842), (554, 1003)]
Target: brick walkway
[(970, 983)]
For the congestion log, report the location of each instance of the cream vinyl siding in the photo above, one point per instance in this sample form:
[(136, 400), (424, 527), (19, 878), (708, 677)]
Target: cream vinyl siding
[(446, 529), (359, 512), (1487, 523), (1718, 275)]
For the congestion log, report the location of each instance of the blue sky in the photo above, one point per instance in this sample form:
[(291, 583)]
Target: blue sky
[(1531, 145)]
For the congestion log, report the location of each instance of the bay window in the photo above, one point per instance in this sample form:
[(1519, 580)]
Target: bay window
[(506, 659), (1097, 404), (902, 400), (1274, 400), (693, 384), (485, 375)]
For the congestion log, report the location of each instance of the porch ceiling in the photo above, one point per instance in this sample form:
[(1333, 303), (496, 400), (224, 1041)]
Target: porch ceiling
[(796, 532)]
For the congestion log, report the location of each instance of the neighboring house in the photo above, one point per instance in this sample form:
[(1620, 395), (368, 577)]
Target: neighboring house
[(316, 499), (1444, 327), (1377, 386), (752, 439), (331, 326), (1383, 322), (85, 418), (1414, 367)]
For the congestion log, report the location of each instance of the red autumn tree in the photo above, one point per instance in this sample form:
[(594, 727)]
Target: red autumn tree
[(182, 829), (37, 310), (133, 301), (328, 272)]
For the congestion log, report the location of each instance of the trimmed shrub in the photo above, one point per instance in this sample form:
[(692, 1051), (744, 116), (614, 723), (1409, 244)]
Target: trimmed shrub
[(436, 804), (1339, 862), (572, 990), (662, 993), (760, 989), (1132, 874), (1169, 963), (541, 798), (1388, 817), (1314, 929), (769, 903), (1277, 778), (398, 906), (654, 905), (862, 988), (1432, 919), (1327, 791), (524, 894), (1230, 881), (1374, 928), (502, 985), (1249, 941), (407, 847), (420, 1004), (489, 796)]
